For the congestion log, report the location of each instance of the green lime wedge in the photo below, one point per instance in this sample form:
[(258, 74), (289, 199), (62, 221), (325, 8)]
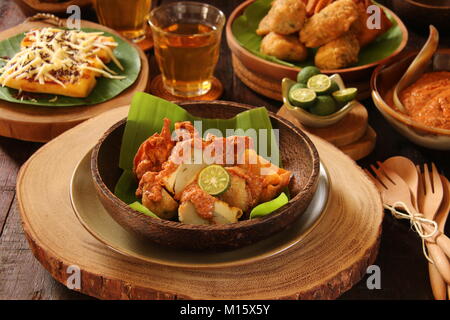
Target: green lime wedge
[(214, 179), (306, 73), (302, 97), (345, 95), (320, 83), (324, 106)]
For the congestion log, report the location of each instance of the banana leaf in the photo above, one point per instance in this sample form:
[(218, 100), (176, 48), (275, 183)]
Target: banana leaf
[(244, 30), (146, 117), (105, 88)]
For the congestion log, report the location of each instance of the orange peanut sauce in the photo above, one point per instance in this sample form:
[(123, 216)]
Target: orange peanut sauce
[(427, 100)]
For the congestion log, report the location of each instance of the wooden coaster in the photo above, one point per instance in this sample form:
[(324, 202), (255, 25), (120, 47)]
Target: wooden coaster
[(347, 131), (41, 124), (363, 147), (327, 262), (157, 88)]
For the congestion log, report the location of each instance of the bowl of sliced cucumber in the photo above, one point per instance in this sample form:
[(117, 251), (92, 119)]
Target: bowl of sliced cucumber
[(317, 100)]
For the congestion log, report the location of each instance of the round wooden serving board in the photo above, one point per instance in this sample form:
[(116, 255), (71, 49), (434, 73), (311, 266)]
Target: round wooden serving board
[(41, 124), (326, 263)]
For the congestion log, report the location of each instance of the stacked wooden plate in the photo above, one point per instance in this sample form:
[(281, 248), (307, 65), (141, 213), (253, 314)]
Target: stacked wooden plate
[(352, 135), (264, 76), (319, 257), (43, 123)]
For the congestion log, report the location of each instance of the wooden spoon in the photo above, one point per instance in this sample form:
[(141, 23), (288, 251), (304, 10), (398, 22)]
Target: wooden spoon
[(418, 66), (394, 189), (442, 215), (406, 169)]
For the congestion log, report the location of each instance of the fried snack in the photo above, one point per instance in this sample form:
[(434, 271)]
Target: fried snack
[(283, 47), (364, 34), (264, 26), (285, 17), (339, 53), (329, 24)]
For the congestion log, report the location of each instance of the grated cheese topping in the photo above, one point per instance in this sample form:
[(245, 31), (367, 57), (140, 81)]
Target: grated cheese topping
[(60, 56)]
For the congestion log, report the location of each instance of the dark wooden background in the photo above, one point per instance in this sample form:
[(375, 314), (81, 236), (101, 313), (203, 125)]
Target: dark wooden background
[(404, 273)]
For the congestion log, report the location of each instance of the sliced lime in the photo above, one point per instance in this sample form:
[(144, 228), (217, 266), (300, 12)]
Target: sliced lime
[(306, 73), (320, 83), (214, 179), (345, 95), (324, 106), (302, 97)]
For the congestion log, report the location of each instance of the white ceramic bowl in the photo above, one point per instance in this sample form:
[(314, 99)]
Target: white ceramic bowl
[(311, 120)]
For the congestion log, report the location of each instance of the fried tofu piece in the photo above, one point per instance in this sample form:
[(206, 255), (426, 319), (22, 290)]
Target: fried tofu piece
[(339, 53), (329, 24), (283, 47), (285, 17)]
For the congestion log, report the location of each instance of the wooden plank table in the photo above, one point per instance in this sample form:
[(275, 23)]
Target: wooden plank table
[(404, 271)]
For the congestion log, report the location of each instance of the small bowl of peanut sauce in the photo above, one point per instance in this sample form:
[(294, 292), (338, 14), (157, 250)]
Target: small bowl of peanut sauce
[(426, 119)]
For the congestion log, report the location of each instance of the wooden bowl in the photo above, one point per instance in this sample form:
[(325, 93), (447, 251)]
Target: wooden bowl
[(30, 7), (419, 14), (297, 153), (307, 118), (385, 77), (268, 75)]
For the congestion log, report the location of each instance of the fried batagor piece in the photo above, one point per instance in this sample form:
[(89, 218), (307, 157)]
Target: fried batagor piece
[(283, 47), (329, 24), (339, 53), (285, 17), (362, 31)]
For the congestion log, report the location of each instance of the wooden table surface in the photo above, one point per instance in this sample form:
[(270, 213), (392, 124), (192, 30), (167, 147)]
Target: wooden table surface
[(404, 272)]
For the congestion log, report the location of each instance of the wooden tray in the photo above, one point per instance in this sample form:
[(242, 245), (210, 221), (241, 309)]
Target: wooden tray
[(326, 263), (352, 135), (41, 124)]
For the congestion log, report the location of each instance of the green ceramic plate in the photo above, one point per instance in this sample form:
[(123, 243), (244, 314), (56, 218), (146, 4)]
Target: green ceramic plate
[(105, 89)]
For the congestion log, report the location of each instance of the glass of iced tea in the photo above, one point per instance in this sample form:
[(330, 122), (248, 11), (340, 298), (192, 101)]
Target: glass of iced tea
[(127, 17), (187, 44)]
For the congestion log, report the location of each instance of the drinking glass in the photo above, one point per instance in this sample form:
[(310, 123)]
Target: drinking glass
[(187, 44), (127, 17)]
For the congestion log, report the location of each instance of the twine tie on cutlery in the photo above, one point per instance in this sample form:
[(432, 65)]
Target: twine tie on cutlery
[(416, 220)]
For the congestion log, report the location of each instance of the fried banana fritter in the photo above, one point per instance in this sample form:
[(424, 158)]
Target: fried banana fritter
[(283, 47), (339, 53), (329, 24), (285, 17)]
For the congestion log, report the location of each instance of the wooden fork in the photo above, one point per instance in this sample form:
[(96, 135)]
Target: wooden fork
[(429, 199), (393, 189)]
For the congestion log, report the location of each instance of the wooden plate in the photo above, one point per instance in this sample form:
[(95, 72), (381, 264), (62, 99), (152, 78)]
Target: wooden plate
[(33, 6), (326, 263), (102, 226), (42, 124), (265, 76)]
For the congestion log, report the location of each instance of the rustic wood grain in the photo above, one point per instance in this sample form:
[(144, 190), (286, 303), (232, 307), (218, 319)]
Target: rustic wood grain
[(403, 267), (323, 266)]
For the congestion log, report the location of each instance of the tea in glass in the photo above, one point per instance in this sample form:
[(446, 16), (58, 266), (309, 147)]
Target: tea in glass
[(187, 43), (127, 17)]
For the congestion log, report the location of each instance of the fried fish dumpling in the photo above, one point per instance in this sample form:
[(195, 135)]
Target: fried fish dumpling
[(285, 17), (339, 53), (283, 47), (329, 24)]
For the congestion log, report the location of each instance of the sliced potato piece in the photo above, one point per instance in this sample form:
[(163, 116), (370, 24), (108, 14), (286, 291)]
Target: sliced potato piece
[(223, 214)]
